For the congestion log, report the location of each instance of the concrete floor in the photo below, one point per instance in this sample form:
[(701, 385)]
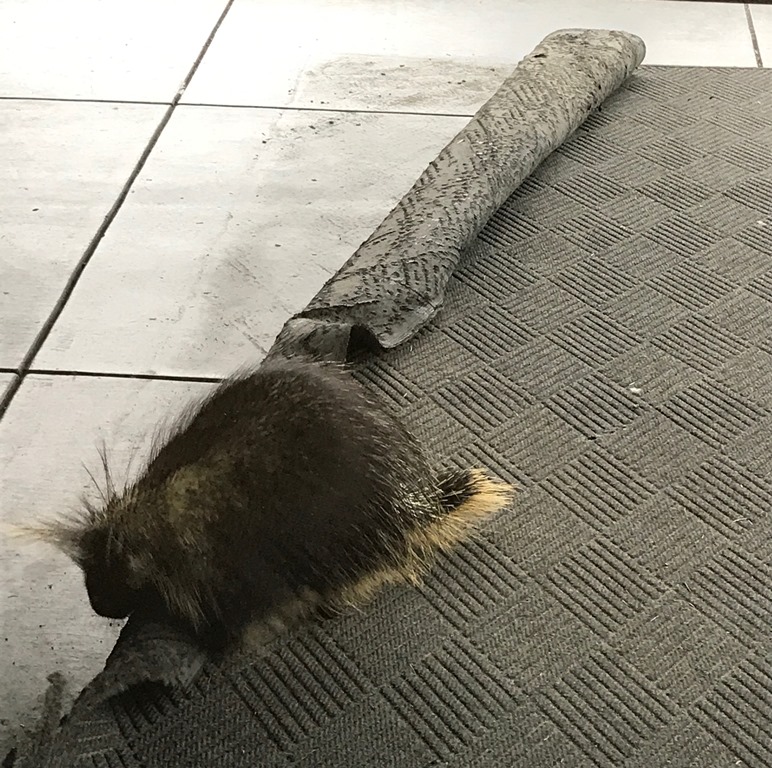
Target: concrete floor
[(304, 123)]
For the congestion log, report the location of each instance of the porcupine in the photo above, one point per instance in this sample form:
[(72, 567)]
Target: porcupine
[(289, 490)]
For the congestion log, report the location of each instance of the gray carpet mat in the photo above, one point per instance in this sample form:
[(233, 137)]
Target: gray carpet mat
[(606, 343)]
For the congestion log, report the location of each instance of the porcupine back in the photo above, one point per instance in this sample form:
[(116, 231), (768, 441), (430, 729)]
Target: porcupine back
[(289, 488)]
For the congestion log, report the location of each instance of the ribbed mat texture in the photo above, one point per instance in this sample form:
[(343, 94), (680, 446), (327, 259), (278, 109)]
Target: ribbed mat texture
[(607, 345)]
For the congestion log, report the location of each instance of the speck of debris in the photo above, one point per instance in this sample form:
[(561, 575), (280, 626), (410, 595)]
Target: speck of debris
[(36, 209), (277, 245), (635, 390)]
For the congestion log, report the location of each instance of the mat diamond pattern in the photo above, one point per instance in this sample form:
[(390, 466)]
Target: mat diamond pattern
[(620, 612), (693, 316)]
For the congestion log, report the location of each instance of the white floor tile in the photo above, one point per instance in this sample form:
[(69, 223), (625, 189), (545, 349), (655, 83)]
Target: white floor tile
[(64, 165), (90, 49), (52, 425), (238, 219), (428, 56), (762, 23)]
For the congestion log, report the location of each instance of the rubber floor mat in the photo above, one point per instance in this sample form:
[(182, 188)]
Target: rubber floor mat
[(606, 344)]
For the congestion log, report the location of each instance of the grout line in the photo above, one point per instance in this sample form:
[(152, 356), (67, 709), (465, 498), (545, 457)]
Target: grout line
[(754, 39), (73, 100), (15, 383), (8, 395), (125, 376), (107, 221), (278, 108), (344, 110)]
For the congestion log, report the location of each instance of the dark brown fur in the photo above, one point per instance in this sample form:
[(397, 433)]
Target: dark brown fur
[(288, 490)]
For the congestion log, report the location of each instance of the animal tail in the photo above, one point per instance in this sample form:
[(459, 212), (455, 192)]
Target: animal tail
[(466, 496), (472, 493)]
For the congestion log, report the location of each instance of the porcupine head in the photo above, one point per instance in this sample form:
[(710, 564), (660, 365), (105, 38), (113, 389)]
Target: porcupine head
[(93, 539), (288, 487)]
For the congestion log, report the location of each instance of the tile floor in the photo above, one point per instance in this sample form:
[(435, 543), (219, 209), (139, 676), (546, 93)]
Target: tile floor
[(304, 123)]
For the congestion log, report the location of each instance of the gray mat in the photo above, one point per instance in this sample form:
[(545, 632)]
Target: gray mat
[(606, 343), (395, 282)]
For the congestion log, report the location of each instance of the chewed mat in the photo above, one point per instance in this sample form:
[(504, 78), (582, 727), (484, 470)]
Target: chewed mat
[(605, 342)]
